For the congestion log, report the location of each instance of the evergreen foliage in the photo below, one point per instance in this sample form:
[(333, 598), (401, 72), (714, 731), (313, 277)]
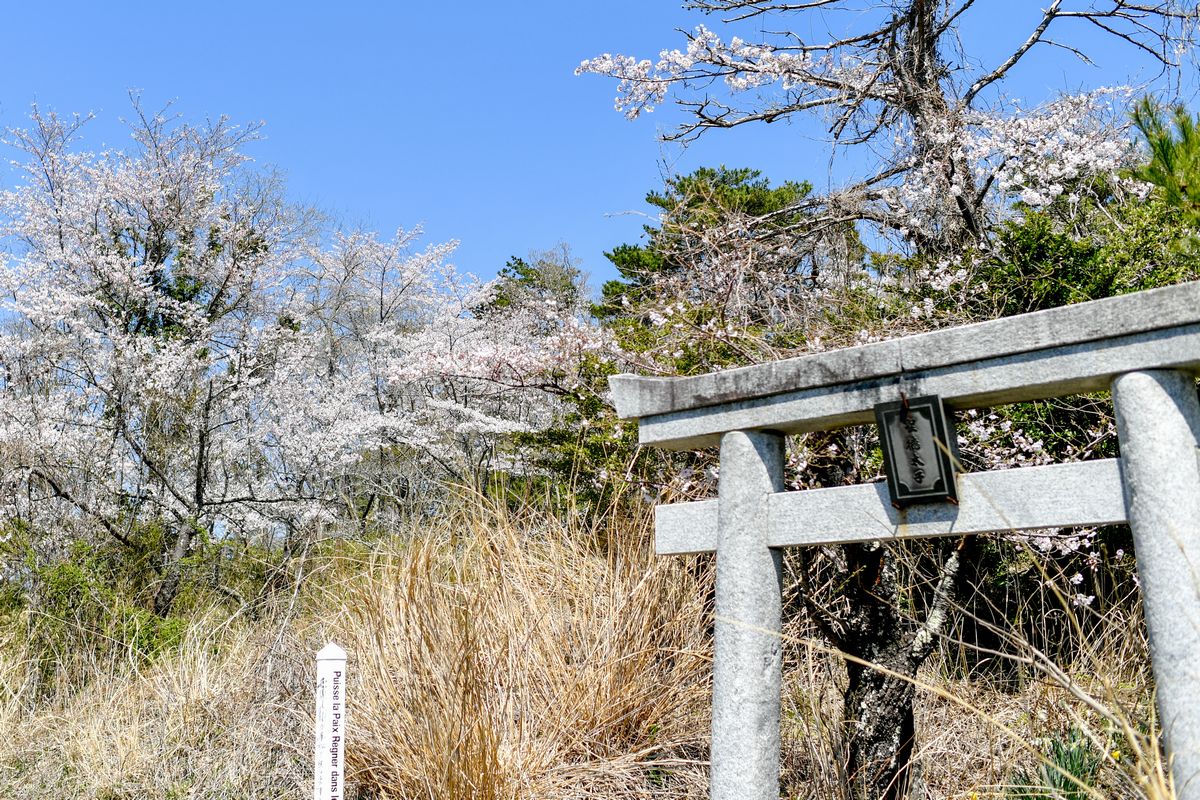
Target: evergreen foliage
[(1173, 139)]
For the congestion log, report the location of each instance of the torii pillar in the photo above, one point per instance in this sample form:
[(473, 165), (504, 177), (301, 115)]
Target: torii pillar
[(1144, 346)]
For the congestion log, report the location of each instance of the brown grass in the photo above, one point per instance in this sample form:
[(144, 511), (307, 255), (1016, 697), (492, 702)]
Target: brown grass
[(218, 719), (514, 657), (497, 665)]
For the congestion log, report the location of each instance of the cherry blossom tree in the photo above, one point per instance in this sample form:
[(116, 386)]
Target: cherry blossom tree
[(901, 80), (448, 367), (190, 361), (953, 159)]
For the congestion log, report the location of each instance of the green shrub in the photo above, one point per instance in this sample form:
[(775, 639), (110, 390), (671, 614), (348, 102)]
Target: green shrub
[(1069, 770)]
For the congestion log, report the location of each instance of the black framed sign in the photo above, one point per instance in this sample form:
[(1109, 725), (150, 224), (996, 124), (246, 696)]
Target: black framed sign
[(920, 450)]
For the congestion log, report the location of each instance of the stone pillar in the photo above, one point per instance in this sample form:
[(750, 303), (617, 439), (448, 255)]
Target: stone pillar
[(1158, 422), (747, 663)]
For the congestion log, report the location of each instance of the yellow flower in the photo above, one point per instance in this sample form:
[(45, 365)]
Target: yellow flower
[(1116, 754)]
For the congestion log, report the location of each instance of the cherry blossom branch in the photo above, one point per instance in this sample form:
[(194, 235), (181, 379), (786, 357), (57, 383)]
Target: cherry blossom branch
[(82, 505)]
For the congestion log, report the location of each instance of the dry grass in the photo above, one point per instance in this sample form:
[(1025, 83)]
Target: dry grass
[(219, 718), (975, 741), (505, 657), (550, 662)]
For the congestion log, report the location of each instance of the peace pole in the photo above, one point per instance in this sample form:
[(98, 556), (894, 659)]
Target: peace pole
[(329, 768)]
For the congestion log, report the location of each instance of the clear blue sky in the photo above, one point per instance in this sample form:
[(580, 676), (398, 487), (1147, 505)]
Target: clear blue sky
[(464, 117)]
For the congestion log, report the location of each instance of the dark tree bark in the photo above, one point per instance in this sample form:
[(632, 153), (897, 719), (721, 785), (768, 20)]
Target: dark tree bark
[(884, 649), (176, 546), (895, 77)]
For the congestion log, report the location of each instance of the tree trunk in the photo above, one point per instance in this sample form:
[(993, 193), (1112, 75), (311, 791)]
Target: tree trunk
[(880, 729), (886, 647), (878, 707), (172, 572)]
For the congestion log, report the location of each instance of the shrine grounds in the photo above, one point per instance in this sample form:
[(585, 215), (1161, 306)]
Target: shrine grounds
[(510, 655)]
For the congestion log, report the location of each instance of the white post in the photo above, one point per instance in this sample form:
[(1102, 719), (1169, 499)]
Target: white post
[(1158, 424), (747, 661), (329, 769)]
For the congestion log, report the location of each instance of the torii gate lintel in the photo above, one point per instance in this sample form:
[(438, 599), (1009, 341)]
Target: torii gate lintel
[(1145, 346)]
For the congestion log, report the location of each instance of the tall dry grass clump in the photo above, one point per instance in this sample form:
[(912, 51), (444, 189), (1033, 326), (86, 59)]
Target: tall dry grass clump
[(1074, 725), (506, 656)]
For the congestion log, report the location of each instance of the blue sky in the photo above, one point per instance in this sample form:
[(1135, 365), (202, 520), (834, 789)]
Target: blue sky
[(463, 117)]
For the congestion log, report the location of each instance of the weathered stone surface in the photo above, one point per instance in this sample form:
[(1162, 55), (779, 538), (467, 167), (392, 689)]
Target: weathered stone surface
[(642, 397), (1033, 375), (1054, 496), (747, 657), (1143, 312), (1158, 424), (1146, 346)]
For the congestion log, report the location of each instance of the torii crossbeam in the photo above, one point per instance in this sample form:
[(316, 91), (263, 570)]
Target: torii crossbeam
[(1145, 347)]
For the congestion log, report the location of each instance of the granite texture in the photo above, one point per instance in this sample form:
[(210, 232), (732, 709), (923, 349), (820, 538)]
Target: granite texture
[(1054, 372), (1054, 496), (1158, 423), (1141, 312), (747, 657)]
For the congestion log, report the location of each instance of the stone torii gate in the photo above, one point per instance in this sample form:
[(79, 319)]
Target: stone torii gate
[(1145, 347)]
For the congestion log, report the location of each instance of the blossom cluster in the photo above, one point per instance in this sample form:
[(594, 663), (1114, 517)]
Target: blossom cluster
[(176, 342), (742, 66)]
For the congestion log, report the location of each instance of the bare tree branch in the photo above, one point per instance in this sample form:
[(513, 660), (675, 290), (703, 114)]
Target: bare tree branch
[(999, 72)]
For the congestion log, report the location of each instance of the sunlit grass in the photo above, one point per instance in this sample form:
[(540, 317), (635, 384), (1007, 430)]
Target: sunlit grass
[(521, 655)]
